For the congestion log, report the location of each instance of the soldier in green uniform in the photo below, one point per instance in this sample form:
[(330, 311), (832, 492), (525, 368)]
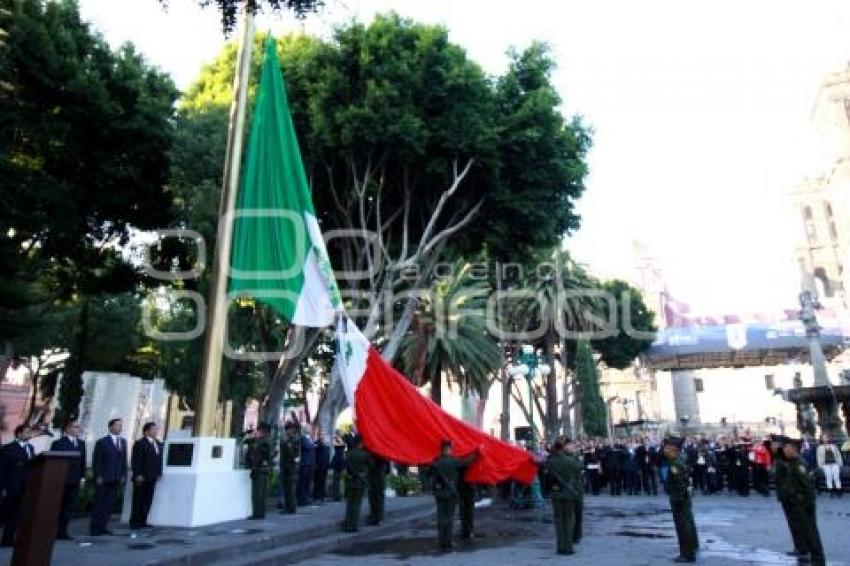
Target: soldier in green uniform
[(445, 471), (802, 493), (259, 459), (290, 456), (678, 486), (466, 505), (356, 468), (570, 450), (377, 476), (563, 476), (780, 473)]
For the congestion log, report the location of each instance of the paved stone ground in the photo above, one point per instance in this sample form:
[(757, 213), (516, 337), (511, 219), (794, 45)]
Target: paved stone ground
[(618, 531), (223, 543)]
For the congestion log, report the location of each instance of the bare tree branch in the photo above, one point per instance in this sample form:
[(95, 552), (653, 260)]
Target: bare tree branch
[(458, 179)]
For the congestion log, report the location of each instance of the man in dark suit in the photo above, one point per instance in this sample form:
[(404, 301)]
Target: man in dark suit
[(75, 476), (109, 467), (14, 467), (146, 464), (305, 469)]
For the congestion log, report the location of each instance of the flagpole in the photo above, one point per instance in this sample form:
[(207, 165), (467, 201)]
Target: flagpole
[(210, 377)]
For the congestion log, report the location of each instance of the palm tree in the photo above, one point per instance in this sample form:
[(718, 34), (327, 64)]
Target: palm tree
[(449, 335), (560, 302)]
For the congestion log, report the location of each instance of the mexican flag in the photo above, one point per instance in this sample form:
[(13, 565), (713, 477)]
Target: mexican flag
[(279, 256), (398, 423)]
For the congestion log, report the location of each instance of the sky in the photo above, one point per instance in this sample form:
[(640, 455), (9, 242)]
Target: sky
[(700, 112)]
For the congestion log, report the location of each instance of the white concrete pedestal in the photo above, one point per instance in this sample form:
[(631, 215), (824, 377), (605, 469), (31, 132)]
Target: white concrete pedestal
[(199, 485)]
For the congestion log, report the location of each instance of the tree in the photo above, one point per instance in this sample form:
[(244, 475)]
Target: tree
[(230, 8), (83, 159), (450, 336), (593, 412), (635, 329), (559, 297), (401, 135)]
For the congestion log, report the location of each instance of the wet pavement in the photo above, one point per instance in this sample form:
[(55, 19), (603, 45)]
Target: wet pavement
[(617, 531)]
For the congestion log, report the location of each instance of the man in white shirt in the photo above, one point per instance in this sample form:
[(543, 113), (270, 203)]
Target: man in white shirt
[(830, 462)]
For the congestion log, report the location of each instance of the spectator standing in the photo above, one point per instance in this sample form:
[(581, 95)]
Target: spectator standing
[(830, 461)]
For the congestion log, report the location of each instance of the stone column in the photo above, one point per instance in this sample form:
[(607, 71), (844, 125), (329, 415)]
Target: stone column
[(685, 396), (828, 420)]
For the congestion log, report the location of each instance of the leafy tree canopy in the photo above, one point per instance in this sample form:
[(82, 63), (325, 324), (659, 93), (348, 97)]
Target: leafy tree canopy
[(84, 135), (635, 326), (230, 8)]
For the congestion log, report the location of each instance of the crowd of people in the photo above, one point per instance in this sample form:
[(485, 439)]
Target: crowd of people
[(714, 465), (312, 469)]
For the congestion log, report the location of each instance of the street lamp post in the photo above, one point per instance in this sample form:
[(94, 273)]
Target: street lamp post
[(529, 366)]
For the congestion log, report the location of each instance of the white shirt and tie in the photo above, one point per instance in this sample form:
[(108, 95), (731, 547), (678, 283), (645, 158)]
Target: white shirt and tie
[(155, 445), (28, 449)]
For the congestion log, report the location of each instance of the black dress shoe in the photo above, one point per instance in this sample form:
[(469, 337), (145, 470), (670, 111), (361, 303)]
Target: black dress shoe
[(795, 553), (684, 559), (64, 536), (106, 532)]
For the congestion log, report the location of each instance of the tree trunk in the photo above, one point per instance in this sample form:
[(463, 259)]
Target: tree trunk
[(437, 386), (304, 387), (566, 424), (285, 373), (480, 407), (332, 404), (550, 419), (505, 417), (71, 392), (400, 329)]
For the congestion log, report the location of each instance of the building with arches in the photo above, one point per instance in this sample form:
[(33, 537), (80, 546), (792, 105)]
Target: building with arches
[(822, 204)]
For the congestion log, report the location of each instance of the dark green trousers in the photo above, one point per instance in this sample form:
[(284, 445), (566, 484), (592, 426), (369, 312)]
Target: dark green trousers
[(445, 519), (577, 532), (795, 532), (805, 521), (686, 530), (376, 500), (288, 483), (564, 513), (259, 492), (466, 508), (353, 502)]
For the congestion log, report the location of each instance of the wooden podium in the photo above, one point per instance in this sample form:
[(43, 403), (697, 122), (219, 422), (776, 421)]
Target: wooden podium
[(40, 509)]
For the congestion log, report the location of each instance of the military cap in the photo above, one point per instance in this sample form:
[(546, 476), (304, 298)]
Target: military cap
[(676, 441)]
